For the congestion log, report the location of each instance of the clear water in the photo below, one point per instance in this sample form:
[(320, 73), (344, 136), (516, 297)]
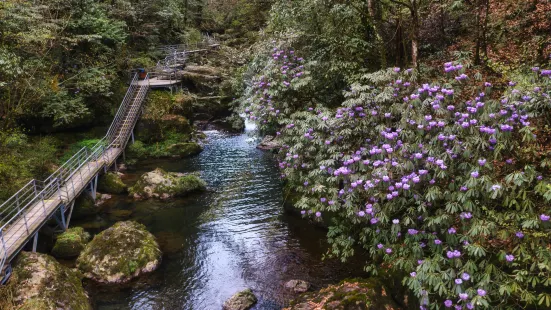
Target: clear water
[(234, 236)]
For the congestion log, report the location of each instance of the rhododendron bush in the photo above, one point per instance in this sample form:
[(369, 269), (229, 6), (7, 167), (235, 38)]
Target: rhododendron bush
[(446, 181)]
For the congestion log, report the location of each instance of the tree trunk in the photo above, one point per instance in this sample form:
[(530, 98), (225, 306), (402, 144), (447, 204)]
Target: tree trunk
[(378, 31), (415, 34)]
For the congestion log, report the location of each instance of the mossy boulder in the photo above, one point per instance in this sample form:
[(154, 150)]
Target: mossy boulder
[(202, 78), (353, 294), (85, 206), (185, 149), (70, 243), (243, 300), (120, 253), (152, 128), (39, 282), (164, 185), (111, 183)]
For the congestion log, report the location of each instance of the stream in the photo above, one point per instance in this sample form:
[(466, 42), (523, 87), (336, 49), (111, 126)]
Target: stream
[(234, 236)]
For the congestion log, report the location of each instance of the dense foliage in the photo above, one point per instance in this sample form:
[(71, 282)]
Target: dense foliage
[(433, 172)]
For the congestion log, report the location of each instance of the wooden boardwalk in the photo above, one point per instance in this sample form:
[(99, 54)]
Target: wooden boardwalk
[(23, 214)]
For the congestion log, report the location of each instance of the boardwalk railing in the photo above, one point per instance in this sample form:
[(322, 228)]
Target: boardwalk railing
[(22, 215)]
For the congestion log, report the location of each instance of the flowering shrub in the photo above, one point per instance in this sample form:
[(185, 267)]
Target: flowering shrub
[(450, 190)]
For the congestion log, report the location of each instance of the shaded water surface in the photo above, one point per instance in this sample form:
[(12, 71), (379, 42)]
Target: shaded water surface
[(234, 236)]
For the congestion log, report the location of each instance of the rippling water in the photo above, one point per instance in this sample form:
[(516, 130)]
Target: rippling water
[(232, 237)]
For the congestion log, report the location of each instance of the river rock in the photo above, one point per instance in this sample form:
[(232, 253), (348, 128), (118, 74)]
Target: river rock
[(355, 294), (269, 143), (70, 243), (243, 300), (184, 149), (102, 198), (165, 185), (40, 282), (297, 286), (120, 253), (151, 128), (111, 183)]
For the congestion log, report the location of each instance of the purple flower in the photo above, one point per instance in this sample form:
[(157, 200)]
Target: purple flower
[(438, 242), (509, 257), (463, 296), (496, 187), (544, 217), (388, 250), (318, 214), (379, 246), (361, 214), (451, 231), (302, 212), (413, 274), (465, 276), (458, 281), (481, 292), (519, 234), (395, 221), (482, 162), (474, 174), (448, 303)]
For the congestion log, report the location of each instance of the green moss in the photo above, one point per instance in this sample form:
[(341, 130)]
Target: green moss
[(111, 183), (185, 149), (53, 286), (70, 243), (119, 253), (189, 183)]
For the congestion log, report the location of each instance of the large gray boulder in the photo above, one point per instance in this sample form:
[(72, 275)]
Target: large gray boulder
[(164, 185), (120, 253)]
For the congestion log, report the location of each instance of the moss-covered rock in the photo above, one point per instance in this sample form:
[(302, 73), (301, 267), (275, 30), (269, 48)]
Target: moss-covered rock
[(165, 185), (120, 253), (243, 300), (70, 243), (185, 149), (41, 283), (297, 286), (152, 128), (354, 294), (85, 206), (111, 183)]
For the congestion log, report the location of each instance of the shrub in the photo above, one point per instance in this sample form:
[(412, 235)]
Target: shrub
[(452, 191)]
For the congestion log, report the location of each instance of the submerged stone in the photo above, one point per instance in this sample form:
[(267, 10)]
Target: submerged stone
[(40, 282), (243, 300), (120, 253), (165, 185), (111, 183), (70, 243), (355, 294)]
